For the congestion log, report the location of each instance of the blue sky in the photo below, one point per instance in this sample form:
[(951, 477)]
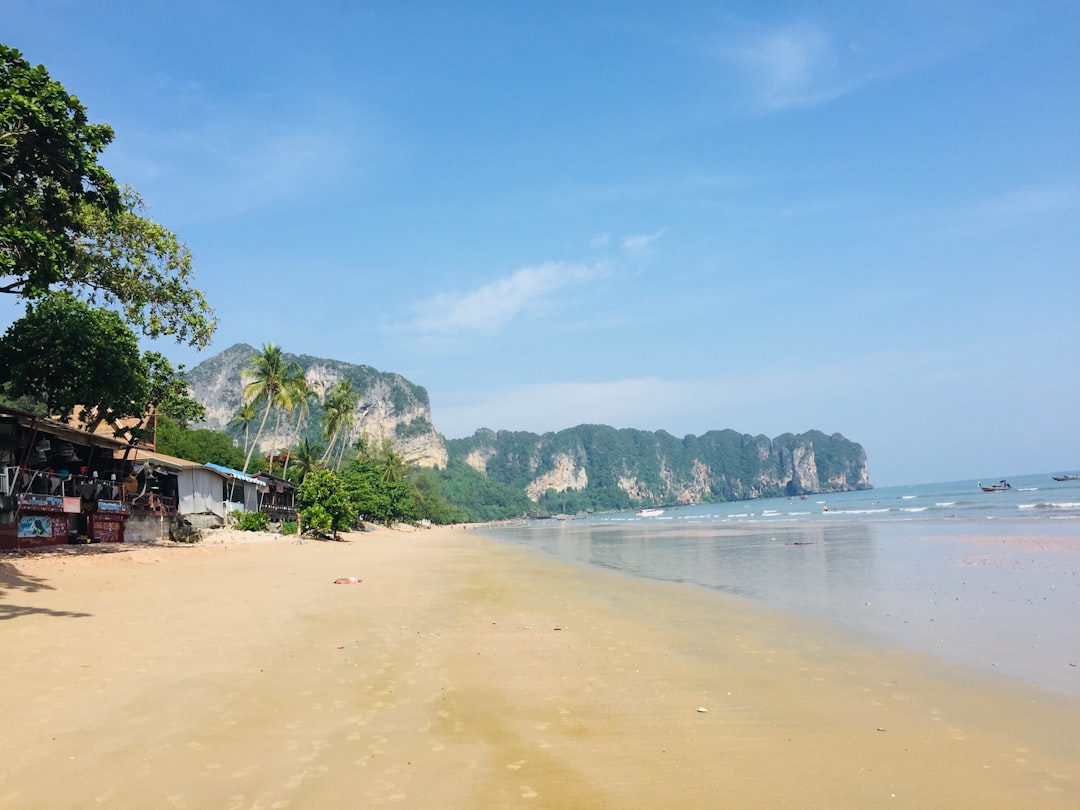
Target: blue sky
[(856, 218)]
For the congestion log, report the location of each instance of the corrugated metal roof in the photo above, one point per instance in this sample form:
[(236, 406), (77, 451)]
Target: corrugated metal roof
[(141, 454), (239, 476)]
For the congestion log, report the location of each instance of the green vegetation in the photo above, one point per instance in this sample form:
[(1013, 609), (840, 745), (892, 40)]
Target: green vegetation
[(201, 446), (416, 427), (325, 506), (68, 358), (65, 223), (478, 498), (267, 383), (251, 521), (660, 468)]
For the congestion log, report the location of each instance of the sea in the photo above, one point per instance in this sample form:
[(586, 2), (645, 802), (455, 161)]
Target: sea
[(984, 580)]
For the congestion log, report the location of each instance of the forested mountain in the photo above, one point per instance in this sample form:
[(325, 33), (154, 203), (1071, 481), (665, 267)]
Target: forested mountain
[(587, 467), (390, 407), (599, 467)]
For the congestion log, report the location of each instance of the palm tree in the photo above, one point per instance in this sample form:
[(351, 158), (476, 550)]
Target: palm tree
[(243, 418), (392, 466), (302, 393), (307, 457), (264, 382), (339, 414)]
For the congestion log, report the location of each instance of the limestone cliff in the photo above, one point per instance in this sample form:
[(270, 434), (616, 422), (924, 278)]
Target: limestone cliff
[(390, 406), (605, 468)]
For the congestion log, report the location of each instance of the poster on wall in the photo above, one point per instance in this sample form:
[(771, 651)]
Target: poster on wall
[(35, 526)]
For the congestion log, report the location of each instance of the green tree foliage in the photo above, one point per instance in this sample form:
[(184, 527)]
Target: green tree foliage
[(339, 416), (66, 354), (243, 418), (266, 384), (132, 261), (718, 466), (377, 498), (65, 222), (477, 497), (430, 503), (48, 170), (324, 504), (168, 391), (305, 459), (201, 446)]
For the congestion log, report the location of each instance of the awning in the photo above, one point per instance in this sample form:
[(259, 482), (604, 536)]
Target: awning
[(231, 473)]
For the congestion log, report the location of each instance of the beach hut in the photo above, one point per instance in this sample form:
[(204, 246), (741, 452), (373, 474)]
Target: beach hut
[(57, 483), (240, 492)]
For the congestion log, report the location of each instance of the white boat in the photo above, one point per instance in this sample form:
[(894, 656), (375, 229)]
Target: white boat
[(650, 512)]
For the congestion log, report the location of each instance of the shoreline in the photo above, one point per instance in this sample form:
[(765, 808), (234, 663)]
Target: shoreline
[(467, 672)]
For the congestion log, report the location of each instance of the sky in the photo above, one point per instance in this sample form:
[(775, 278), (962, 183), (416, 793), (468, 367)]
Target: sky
[(859, 218)]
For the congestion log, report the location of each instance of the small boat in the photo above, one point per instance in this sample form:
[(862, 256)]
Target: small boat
[(999, 487), (650, 512), (1066, 477)]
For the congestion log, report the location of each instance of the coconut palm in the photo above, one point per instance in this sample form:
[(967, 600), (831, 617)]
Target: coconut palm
[(264, 382), (339, 415), (392, 466), (307, 457), (301, 393), (243, 418)]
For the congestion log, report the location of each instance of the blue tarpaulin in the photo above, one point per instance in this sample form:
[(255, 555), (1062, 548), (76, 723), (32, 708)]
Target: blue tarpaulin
[(231, 473)]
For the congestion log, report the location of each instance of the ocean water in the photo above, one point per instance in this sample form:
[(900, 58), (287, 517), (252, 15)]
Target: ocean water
[(986, 580)]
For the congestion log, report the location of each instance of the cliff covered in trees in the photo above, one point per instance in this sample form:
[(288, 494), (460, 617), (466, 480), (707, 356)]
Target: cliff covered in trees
[(589, 467), (389, 407), (598, 467)]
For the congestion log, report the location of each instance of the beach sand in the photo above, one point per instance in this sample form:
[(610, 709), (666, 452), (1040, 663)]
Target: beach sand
[(464, 673)]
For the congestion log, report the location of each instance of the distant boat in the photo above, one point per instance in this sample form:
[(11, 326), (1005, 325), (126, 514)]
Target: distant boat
[(650, 512), (999, 487), (1066, 477)]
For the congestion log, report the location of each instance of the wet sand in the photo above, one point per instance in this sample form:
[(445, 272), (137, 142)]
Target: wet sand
[(465, 673)]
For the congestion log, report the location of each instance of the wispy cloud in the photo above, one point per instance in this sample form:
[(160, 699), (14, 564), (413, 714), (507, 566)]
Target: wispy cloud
[(641, 244), (793, 66), (487, 309)]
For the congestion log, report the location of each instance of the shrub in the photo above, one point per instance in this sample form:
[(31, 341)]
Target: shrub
[(288, 527), (253, 521)]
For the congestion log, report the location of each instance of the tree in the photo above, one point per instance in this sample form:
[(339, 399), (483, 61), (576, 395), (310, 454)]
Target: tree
[(201, 445), (339, 415), (392, 467), (307, 457), (324, 504), (264, 382), (133, 262), (169, 393), (48, 171), (242, 419), (65, 222), (301, 393), (66, 354)]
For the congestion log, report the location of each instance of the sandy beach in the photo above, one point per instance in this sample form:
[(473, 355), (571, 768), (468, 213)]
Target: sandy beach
[(459, 672)]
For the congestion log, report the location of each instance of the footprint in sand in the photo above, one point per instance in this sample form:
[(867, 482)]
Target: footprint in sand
[(516, 766), (528, 793)]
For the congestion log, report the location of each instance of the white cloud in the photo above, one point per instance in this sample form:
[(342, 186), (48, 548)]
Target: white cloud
[(800, 65), (641, 244), (788, 66), (491, 306)]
